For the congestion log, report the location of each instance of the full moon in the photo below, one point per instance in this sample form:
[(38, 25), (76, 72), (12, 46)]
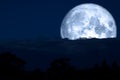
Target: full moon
[(88, 21)]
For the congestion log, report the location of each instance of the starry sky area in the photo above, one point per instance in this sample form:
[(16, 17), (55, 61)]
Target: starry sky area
[(29, 19)]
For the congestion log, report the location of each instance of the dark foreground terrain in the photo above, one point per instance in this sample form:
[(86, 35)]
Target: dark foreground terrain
[(100, 59)]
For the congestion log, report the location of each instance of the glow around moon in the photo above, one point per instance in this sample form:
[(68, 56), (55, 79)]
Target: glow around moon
[(88, 21)]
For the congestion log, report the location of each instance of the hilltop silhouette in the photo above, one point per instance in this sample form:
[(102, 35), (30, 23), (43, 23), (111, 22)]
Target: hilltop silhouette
[(12, 67), (75, 60)]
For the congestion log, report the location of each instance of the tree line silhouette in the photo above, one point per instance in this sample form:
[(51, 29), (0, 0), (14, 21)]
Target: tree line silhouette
[(13, 68)]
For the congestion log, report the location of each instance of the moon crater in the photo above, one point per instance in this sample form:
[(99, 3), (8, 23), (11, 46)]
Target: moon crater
[(88, 21)]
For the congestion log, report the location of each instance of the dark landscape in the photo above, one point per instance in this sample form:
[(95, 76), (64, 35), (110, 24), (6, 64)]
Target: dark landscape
[(61, 60)]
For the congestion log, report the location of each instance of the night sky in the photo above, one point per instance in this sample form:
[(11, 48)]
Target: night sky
[(38, 19), (21, 19)]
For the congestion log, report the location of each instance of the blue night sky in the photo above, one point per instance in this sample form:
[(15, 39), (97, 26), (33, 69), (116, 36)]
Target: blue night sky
[(21, 19)]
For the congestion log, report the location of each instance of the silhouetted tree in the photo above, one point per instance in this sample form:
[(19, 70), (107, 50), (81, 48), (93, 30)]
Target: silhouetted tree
[(105, 69), (10, 65), (104, 65), (96, 67), (115, 67), (61, 69)]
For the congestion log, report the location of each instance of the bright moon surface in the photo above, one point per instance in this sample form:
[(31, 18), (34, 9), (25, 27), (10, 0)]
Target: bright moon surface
[(88, 21)]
